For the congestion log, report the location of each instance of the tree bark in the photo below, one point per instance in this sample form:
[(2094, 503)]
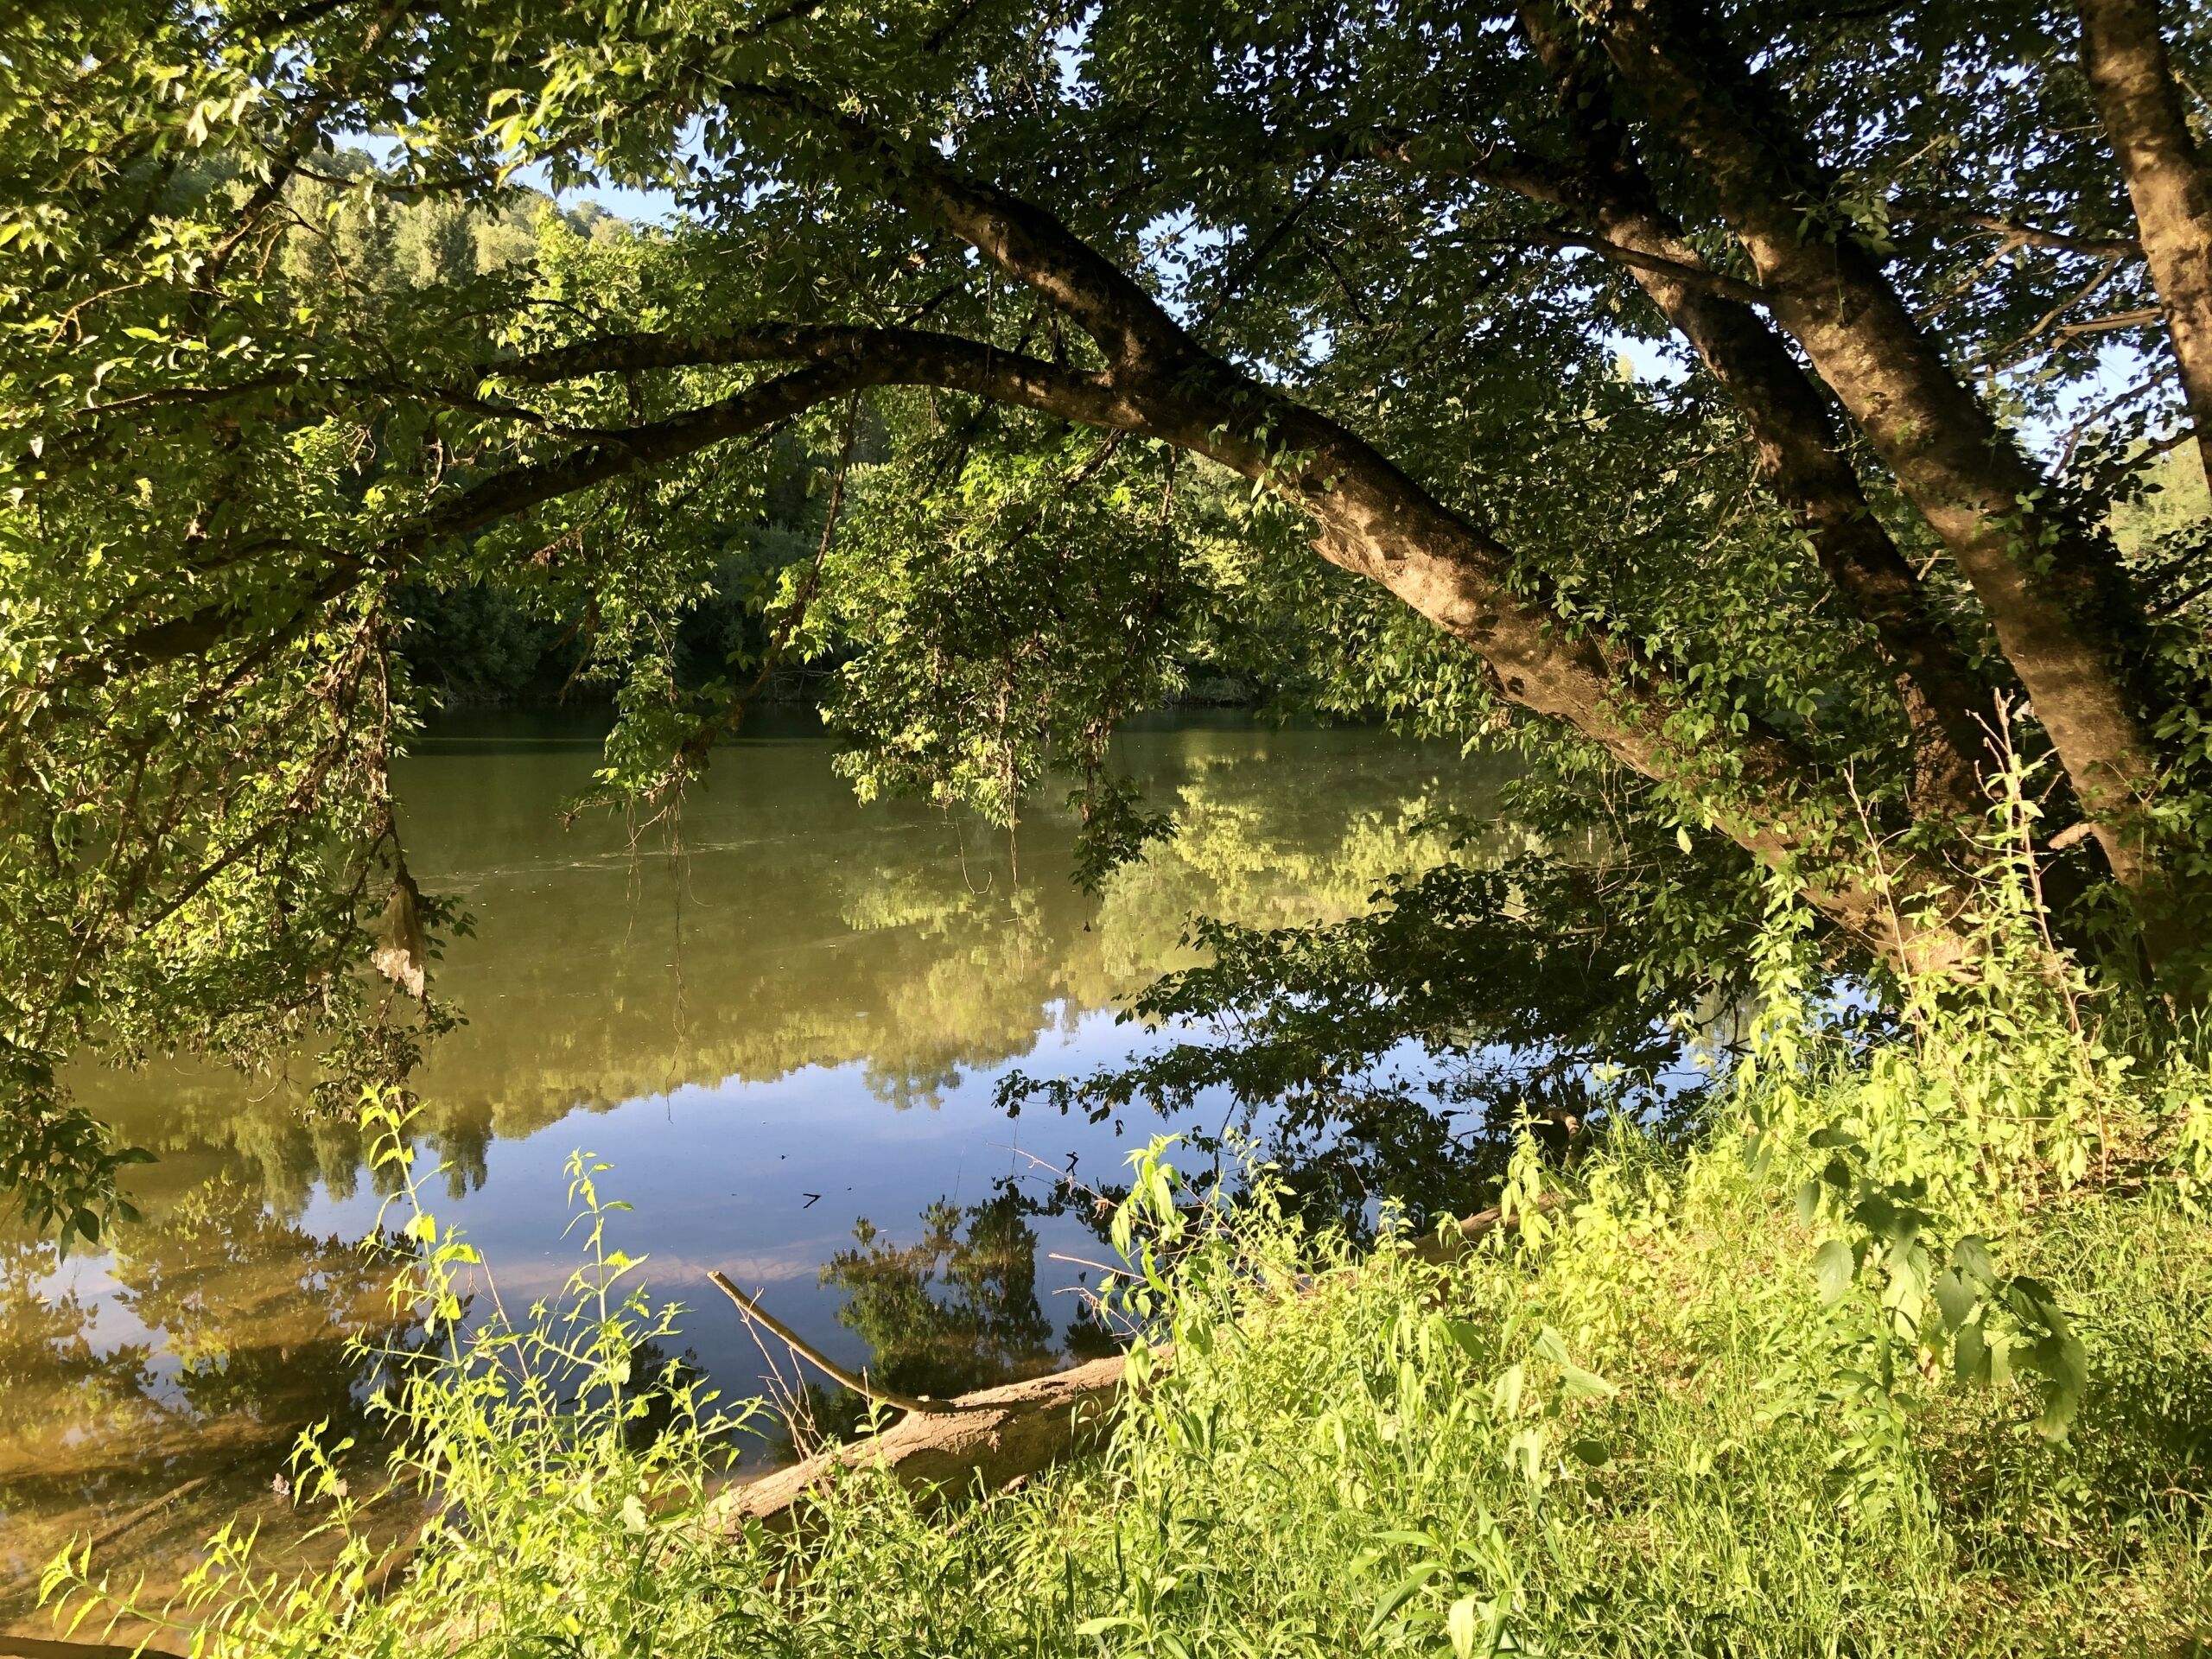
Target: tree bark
[(2139, 102), (2054, 592), (1797, 452)]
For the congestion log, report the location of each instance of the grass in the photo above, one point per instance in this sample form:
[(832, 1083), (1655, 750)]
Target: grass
[(1649, 1425)]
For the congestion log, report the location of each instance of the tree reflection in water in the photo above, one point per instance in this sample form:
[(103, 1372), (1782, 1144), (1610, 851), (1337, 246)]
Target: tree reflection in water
[(182, 1365), (954, 1311)]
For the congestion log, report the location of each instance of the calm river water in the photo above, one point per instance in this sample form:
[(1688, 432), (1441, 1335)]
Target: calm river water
[(783, 1033)]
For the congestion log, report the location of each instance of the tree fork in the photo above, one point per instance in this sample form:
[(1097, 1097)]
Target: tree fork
[(1796, 452), (2072, 634)]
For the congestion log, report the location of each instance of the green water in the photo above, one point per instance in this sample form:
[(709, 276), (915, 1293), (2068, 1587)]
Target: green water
[(777, 1016)]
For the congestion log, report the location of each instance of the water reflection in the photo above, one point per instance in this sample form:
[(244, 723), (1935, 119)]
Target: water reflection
[(146, 1391), (785, 1019), (954, 1310)]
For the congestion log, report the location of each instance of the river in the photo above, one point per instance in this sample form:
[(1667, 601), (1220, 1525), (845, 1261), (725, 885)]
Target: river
[(779, 1019)]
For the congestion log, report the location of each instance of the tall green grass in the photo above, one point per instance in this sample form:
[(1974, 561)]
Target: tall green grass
[(1910, 1353)]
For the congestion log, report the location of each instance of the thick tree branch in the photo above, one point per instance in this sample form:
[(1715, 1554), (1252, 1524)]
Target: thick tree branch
[(869, 357), (2169, 180), (2053, 589), (1022, 240), (1797, 451)]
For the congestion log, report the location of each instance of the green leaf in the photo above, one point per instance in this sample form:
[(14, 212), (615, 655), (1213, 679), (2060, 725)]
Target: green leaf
[(1407, 1538), (1952, 1296), (1524, 1455), (2064, 1365), (1399, 1594), (1460, 1627), (1107, 1621), (1505, 1393), (1834, 1267), (1970, 1357), (1808, 1202), (1970, 1255), (1574, 1382)]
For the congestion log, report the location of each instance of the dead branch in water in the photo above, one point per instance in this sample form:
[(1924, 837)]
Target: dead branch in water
[(806, 1350)]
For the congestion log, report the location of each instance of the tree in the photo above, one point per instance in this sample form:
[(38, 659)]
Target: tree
[(1038, 287)]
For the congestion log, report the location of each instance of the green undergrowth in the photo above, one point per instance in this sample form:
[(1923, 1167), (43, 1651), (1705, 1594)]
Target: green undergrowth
[(1910, 1354)]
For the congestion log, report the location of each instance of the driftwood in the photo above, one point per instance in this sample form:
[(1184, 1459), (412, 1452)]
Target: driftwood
[(984, 1441), (1451, 1243)]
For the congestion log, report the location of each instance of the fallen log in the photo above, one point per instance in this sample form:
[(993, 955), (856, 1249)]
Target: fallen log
[(1449, 1244), (984, 1440)]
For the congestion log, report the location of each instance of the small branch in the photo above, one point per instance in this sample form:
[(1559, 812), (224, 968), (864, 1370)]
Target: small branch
[(828, 1367), (2025, 236), (1728, 288), (2119, 319)]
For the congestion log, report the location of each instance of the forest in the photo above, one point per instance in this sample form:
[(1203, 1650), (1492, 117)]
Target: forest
[(1744, 1185)]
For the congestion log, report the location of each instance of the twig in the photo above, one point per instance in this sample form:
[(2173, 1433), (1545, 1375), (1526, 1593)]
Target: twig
[(115, 1529), (830, 1368), (2020, 235), (1085, 1261)]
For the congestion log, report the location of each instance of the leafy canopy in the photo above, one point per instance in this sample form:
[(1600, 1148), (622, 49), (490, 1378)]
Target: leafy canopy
[(1009, 366)]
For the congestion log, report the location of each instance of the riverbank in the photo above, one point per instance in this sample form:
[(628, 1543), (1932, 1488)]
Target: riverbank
[(1910, 1353)]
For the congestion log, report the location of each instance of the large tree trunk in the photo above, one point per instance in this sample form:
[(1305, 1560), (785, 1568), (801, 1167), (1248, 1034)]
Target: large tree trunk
[(1797, 452), (2140, 105), (2053, 590)]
